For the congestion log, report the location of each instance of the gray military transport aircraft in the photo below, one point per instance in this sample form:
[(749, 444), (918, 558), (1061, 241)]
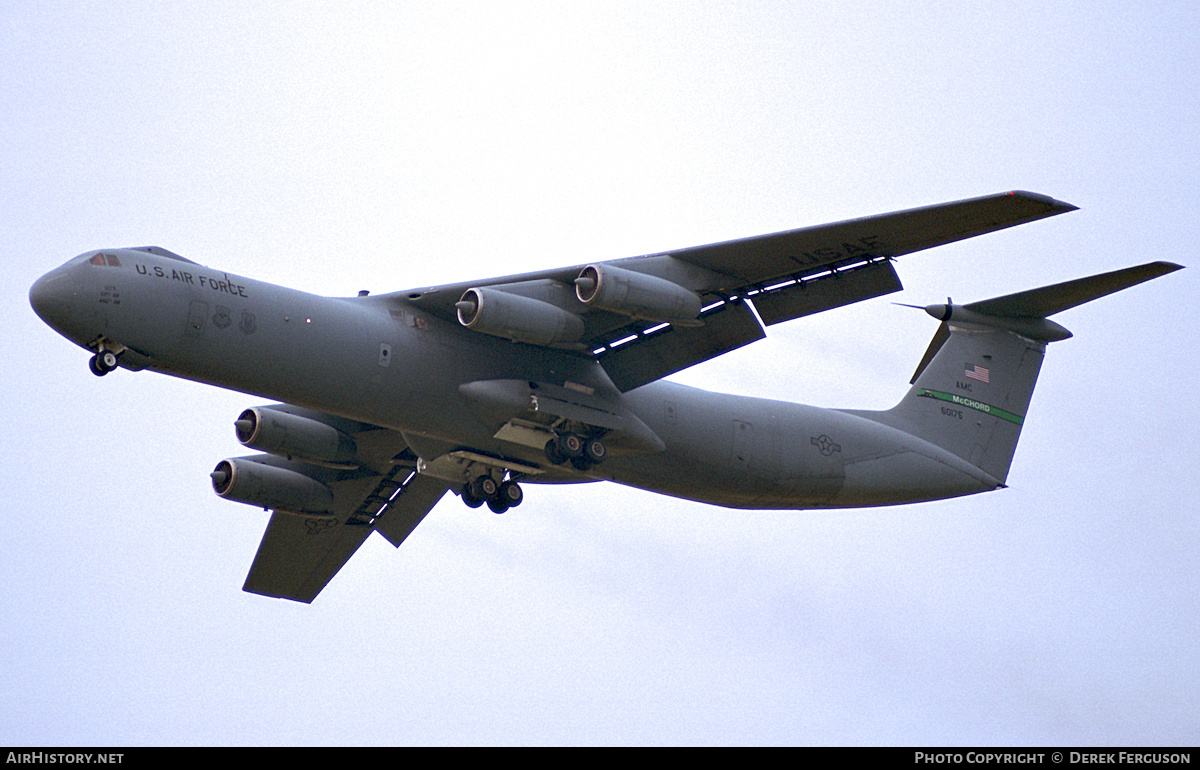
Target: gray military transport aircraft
[(479, 387)]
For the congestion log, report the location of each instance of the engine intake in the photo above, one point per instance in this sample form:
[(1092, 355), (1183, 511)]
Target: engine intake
[(246, 481), (636, 294), (514, 317)]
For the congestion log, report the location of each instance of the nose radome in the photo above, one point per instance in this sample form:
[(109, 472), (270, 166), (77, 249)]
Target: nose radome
[(39, 297), (50, 298)]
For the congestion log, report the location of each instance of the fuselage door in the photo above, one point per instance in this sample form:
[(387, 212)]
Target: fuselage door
[(197, 319), (743, 444)]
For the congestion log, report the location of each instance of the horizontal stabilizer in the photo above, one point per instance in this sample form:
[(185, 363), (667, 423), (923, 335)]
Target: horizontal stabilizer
[(1025, 312), (1048, 300)]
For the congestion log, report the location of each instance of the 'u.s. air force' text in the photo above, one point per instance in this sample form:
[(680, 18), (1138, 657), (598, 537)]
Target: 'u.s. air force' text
[(61, 758), (227, 286)]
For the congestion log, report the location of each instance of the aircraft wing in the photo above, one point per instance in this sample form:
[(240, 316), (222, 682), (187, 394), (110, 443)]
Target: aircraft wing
[(301, 552), (783, 275)]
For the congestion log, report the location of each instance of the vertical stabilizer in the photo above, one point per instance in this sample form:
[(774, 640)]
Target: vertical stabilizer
[(972, 397)]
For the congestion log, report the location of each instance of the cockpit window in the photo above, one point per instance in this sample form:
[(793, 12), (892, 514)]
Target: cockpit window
[(97, 260), (105, 259), (112, 260)]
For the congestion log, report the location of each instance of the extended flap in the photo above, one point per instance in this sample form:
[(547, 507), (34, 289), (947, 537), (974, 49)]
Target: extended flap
[(843, 287), (674, 348)]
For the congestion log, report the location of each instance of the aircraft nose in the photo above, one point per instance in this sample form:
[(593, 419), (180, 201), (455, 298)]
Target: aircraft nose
[(51, 298)]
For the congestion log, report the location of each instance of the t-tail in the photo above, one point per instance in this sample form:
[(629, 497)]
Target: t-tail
[(971, 391)]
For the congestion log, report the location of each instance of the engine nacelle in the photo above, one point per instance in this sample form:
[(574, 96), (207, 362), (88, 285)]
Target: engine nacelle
[(289, 435), (514, 317), (245, 481), (636, 294)]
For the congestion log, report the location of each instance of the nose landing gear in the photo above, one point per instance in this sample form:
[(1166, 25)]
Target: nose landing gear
[(108, 355), (103, 362)]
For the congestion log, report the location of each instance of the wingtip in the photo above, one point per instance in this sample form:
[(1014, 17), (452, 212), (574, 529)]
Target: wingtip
[(1059, 207)]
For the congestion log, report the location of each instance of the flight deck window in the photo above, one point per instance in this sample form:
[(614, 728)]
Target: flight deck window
[(105, 259), (97, 260), (113, 261)]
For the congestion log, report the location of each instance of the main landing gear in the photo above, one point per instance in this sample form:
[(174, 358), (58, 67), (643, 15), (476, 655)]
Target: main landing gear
[(497, 486), (499, 496), (582, 452), (103, 362)]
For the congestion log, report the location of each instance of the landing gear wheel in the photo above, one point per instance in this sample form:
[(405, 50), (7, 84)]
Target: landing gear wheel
[(571, 445), (497, 505), (470, 500), (595, 451), (553, 453), (581, 464), (103, 362), (510, 492), (483, 488)]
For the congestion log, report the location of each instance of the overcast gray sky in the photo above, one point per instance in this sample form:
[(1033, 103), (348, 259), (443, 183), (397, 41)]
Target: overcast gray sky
[(335, 147)]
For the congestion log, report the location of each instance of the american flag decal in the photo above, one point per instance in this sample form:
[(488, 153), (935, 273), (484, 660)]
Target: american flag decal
[(978, 372)]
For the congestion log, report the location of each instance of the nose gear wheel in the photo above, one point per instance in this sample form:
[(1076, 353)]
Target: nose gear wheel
[(103, 362)]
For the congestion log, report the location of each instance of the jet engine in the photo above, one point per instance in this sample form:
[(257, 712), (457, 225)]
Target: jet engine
[(636, 294), (290, 435), (253, 483), (514, 317)]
